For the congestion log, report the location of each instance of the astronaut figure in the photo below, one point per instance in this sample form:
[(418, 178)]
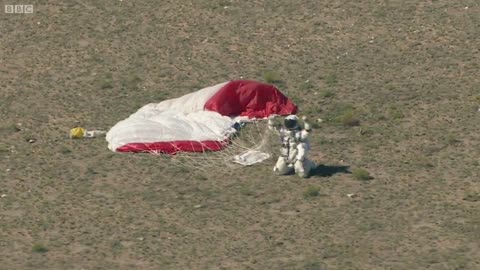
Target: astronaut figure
[(295, 147)]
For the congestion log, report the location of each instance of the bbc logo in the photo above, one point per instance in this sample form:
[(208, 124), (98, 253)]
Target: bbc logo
[(18, 8)]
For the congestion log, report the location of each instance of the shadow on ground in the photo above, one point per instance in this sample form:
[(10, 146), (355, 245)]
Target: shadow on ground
[(327, 170)]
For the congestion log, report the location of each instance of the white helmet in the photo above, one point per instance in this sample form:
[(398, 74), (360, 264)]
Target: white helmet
[(291, 122)]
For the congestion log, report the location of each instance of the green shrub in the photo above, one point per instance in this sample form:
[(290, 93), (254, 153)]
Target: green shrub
[(270, 77), (107, 81), (348, 118), (395, 113), (16, 128), (202, 177), (331, 79), (132, 81), (450, 139), (362, 174), (311, 191), (39, 248), (343, 114), (328, 94), (65, 150), (472, 197), (246, 191)]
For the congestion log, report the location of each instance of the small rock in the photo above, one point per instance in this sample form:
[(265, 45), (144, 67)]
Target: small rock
[(3, 195), (140, 238), (350, 195), (32, 141), (198, 206)]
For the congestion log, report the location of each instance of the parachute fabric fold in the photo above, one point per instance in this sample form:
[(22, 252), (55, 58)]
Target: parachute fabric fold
[(250, 98)]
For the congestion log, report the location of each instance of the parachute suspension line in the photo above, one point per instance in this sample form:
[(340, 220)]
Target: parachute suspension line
[(252, 136)]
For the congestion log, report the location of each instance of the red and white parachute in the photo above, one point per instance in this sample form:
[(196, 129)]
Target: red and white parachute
[(197, 122)]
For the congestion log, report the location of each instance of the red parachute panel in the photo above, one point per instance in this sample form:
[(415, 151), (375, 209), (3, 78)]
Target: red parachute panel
[(250, 98)]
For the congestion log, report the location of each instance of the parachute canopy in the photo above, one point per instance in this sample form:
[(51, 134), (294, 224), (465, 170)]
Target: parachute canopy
[(197, 122)]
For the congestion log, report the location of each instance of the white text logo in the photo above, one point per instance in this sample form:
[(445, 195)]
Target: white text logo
[(18, 8)]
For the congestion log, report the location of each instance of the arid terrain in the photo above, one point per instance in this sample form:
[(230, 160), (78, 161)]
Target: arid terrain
[(396, 82)]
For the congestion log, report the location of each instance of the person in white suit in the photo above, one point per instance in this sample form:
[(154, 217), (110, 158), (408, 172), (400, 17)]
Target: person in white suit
[(295, 146)]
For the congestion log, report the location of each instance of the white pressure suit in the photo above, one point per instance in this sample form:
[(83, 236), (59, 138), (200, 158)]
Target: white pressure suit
[(295, 147)]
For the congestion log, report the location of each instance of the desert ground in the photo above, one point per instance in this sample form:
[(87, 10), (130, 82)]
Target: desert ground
[(396, 83)]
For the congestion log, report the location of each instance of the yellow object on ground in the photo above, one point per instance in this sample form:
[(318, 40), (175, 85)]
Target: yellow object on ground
[(77, 133)]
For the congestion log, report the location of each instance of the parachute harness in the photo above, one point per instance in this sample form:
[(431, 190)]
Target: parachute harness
[(289, 140)]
